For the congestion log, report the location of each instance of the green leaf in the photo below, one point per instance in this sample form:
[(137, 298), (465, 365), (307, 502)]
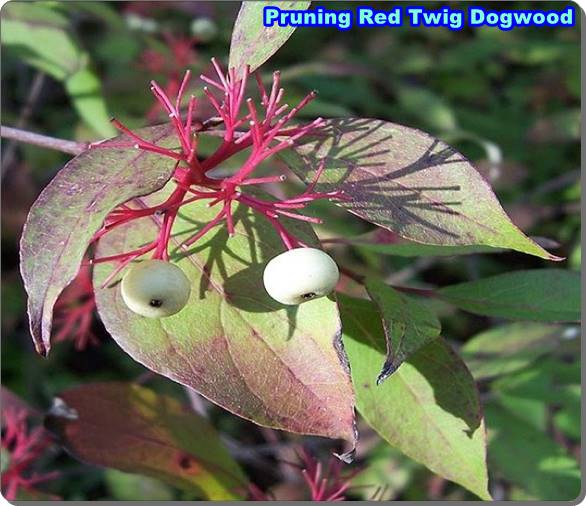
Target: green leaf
[(133, 429), (134, 487), (427, 107), (542, 294), (569, 418), (388, 471), (530, 459), (544, 381), (279, 366), (40, 35), (70, 210), (85, 91), (409, 182), (253, 43), (387, 243), (550, 384), (508, 348), (429, 409), (408, 324)]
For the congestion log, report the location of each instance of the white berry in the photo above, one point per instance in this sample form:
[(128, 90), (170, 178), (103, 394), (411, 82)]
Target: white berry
[(299, 275), (155, 289)]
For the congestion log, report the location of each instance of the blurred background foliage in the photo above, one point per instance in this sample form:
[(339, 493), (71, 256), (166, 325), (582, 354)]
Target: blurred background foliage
[(509, 101)]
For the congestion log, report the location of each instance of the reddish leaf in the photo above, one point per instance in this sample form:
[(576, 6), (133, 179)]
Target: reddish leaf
[(133, 429), (409, 182), (70, 210), (282, 367)]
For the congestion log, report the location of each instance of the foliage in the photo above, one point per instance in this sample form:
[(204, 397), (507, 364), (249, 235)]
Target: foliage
[(441, 238)]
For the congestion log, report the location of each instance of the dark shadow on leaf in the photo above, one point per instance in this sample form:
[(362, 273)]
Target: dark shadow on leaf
[(243, 289), (381, 186), (453, 386)]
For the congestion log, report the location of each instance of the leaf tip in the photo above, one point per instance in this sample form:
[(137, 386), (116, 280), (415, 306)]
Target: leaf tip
[(42, 347)]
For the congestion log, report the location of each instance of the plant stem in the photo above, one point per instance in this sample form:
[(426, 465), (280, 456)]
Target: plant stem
[(43, 141), (23, 118), (360, 279)]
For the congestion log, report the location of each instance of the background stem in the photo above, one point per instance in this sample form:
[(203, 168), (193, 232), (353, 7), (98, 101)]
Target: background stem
[(23, 118), (43, 141)]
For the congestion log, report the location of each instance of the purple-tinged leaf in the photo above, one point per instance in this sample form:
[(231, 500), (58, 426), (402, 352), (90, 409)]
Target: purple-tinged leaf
[(548, 295), (408, 324), (133, 429), (409, 182), (71, 209), (253, 43), (279, 366), (429, 409)]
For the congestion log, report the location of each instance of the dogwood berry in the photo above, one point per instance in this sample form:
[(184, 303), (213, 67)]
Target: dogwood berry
[(155, 289), (299, 275)]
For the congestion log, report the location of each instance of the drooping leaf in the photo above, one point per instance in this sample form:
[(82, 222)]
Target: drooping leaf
[(429, 409), (281, 367), (408, 182), (70, 210), (527, 457), (253, 43), (41, 36), (508, 348), (550, 295), (408, 324), (133, 429)]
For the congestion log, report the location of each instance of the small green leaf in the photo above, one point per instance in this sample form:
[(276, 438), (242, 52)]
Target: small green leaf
[(429, 409), (427, 107), (133, 429), (527, 457), (71, 209), (508, 348), (551, 295), (253, 43), (134, 487), (40, 35), (549, 380), (408, 324), (409, 182), (388, 471), (278, 366), (568, 419), (85, 91)]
